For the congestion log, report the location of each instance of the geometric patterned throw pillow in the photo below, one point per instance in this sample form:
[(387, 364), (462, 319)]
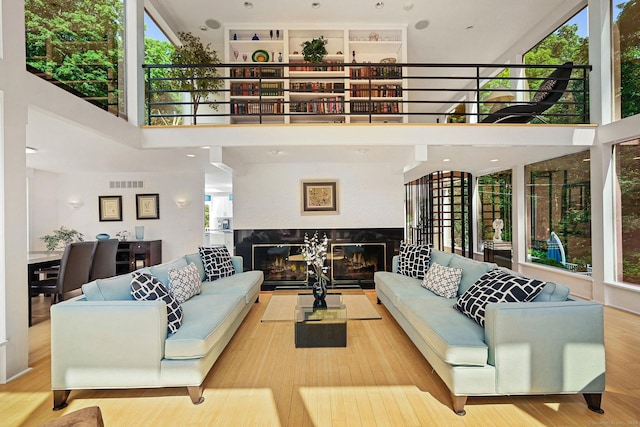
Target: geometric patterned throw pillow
[(496, 286), (414, 260), (443, 281), (217, 262), (184, 282), (146, 287)]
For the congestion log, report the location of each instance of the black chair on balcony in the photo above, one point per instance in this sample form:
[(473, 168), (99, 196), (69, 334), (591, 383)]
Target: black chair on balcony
[(104, 260), (549, 92)]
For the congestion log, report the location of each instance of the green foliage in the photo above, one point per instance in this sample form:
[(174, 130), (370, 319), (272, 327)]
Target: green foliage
[(159, 52), (629, 57), (77, 42), (199, 81), (58, 239), (314, 50)]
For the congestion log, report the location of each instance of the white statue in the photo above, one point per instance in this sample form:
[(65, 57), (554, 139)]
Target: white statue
[(498, 225)]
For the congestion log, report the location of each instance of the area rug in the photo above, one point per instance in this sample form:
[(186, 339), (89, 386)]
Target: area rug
[(281, 308)]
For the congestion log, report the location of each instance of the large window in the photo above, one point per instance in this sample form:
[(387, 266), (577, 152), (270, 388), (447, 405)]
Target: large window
[(626, 57), (627, 161), (78, 45), (569, 42), (559, 212)]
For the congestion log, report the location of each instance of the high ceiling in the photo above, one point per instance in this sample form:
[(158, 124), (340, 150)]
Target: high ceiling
[(456, 31)]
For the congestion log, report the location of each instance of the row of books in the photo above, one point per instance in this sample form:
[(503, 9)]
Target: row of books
[(376, 107), (334, 105), (255, 72), (308, 66), (245, 107), (381, 91), (317, 87), (382, 72), (257, 89)]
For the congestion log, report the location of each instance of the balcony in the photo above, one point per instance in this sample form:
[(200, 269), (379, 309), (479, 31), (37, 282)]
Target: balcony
[(336, 92)]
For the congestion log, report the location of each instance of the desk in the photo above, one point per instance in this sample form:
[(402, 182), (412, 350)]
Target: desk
[(38, 260)]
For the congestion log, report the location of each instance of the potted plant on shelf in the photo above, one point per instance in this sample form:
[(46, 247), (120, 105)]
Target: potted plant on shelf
[(61, 238), (199, 81), (314, 50)]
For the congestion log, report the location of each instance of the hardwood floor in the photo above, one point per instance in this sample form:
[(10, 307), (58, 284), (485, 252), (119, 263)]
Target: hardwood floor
[(379, 379)]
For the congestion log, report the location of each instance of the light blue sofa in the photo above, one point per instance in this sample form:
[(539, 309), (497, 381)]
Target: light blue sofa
[(552, 345), (104, 339)]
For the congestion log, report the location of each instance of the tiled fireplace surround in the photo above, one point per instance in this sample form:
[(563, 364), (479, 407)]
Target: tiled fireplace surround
[(354, 254)]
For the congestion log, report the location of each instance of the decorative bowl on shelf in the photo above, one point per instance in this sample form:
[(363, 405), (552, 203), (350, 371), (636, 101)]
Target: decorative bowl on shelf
[(103, 236), (388, 61), (260, 56)]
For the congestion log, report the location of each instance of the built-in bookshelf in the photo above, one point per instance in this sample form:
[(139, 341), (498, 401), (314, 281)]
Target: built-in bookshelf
[(357, 81)]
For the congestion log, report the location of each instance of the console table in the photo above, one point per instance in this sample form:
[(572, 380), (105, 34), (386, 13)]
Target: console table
[(135, 254)]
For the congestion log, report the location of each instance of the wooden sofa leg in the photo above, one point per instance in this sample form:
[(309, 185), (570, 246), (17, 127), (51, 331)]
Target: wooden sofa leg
[(195, 393), (60, 399), (458, 404), (593, 402)]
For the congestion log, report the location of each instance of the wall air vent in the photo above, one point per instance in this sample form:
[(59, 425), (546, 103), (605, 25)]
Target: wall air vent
[(126, 184)]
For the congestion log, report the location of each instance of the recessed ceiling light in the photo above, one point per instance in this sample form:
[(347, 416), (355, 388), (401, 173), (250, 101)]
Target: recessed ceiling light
[(379, 5), (212, 23), (446, 160), (315, 5), (408, 6), (421, 25), (248, 5), (494, 160), (31, 150), (191, 155)]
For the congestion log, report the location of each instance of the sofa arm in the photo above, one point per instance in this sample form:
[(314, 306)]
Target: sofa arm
[(546, 347), (106, 344)]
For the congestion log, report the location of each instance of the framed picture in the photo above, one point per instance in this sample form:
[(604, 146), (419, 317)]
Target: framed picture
[(319, 197), (147, 206), (110, 208)]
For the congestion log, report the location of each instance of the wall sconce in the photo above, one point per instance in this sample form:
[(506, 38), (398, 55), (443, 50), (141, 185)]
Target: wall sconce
[(182, 203), (75, 204)]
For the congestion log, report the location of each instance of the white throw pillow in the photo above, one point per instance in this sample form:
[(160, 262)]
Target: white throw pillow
[(443, 281), (184, 282)]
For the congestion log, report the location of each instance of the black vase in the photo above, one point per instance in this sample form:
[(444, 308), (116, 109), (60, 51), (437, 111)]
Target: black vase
[(319, 287)]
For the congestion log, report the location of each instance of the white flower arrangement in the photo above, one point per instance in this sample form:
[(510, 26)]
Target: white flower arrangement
[(314, 252)]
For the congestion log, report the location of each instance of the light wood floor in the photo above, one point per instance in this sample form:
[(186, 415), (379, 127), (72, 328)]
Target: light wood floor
[(380, 379)]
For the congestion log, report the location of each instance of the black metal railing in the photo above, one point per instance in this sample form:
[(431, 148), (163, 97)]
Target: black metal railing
[(357, 93)]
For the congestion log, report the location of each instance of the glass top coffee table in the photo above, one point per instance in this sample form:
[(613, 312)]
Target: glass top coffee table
[(320, 327)]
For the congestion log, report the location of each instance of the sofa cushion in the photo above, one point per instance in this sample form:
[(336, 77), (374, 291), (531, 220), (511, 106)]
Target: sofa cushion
[(184, 282), (495, 287), (457, 339), (247, 284), (553, 292), (207, 318), (145, 287), (441, 257), (161, 271), (442, 281), (395, 285), (197, 260), (471, 271), (117, 288), (217, 262), (414, 260)]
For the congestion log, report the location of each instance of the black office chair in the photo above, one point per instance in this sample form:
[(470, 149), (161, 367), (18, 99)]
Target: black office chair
[(549, 92), (104, 260), (75, 267)]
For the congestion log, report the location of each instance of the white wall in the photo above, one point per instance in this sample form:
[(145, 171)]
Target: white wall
[(268, 196), (180, 229)]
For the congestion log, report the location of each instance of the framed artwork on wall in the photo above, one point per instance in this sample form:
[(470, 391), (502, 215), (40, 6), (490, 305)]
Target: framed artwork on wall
[(148, 206), (319, 197), (110, 208)]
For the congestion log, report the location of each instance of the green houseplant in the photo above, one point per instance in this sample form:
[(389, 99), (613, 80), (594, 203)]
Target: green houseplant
[(199, 81), (58, 239), (314, 50)]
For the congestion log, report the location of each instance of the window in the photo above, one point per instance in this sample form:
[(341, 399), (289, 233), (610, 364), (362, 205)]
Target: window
[(559, 212), (626, 58), (494, 197), (570, 42), (79, 46), (627, 167)]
